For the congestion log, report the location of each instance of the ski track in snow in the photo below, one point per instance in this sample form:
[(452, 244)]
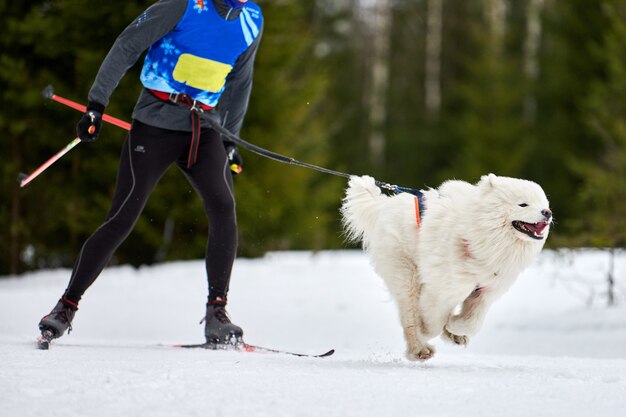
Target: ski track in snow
[(540, 353)]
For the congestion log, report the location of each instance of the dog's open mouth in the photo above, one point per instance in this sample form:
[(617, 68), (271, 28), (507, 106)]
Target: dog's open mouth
[(533, 230)]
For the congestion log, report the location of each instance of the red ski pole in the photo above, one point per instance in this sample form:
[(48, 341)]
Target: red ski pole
[(48, 92), (25, 179)]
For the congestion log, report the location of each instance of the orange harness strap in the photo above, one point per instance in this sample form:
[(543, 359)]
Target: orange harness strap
[(417, 212)]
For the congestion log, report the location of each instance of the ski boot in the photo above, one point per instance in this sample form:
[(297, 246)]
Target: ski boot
[(53, 325), (220, 333)]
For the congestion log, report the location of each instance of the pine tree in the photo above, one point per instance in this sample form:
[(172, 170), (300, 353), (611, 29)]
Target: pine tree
[(36, 50), (603, 194), (568, 67), (488, 125), (281, 206)]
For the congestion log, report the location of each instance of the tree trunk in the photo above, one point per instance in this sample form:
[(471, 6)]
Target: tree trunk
[(379, 17), (15, 226), (495, 11), (432, 87), (611, 279), (531, 49), (168, 235)]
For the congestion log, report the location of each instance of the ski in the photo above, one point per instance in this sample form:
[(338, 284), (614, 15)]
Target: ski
[(245, 347), (43, 343)]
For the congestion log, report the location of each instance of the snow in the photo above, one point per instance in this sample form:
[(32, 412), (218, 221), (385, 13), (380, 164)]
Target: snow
[(548, 348)]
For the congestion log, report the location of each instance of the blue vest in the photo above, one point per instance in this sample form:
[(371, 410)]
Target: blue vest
[(196, 57)]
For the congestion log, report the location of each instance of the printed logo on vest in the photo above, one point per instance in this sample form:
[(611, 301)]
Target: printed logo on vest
[(140, 149), (168, 47), (201, 6), (142, 18), (253, 12)]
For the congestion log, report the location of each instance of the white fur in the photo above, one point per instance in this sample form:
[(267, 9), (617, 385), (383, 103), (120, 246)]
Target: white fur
[(466, 241)]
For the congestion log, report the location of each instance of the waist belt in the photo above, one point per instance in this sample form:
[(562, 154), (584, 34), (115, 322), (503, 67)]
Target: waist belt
[(195, 108)]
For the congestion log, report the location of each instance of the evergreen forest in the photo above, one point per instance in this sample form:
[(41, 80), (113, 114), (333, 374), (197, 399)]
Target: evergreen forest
[(412, 92)]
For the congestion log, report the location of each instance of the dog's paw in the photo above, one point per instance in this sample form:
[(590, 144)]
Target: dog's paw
[(453, 338), (458, 325), (422, 354)]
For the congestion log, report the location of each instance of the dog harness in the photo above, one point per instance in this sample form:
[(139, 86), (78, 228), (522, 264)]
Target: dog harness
[(417, 212), (419, 206)]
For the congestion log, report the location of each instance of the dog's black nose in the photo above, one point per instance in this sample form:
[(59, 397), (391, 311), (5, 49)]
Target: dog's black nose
[(546, 213)]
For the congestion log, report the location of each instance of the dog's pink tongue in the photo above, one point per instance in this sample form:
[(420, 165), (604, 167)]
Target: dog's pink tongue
[(537, 227)]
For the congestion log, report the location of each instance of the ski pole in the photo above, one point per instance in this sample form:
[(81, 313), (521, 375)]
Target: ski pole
[(25, 179), (48, 92)]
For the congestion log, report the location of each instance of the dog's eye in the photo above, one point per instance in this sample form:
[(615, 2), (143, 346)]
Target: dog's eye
[(523, 205)]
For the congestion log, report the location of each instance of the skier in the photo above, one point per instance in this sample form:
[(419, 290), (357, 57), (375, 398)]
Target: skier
[(201, 53)]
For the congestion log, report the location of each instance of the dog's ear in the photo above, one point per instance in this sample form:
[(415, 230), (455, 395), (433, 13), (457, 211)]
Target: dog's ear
[(488, 181)]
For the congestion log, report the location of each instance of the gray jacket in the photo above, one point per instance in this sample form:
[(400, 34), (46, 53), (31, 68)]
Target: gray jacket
[(157, 21)]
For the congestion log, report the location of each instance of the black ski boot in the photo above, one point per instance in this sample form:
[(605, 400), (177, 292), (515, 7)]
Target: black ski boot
[(218, 329), (53, 325)]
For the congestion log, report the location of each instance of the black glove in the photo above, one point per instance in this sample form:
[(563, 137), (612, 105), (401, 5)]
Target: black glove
[(88, 127), (235, 161)]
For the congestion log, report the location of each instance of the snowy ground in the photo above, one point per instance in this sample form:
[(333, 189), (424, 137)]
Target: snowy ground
[(548, 348)]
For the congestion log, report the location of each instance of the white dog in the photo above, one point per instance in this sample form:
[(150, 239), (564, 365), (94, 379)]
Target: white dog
[(446, 256)]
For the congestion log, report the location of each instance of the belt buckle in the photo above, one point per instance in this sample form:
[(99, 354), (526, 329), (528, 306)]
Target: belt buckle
[(174, 97), (196, 106)]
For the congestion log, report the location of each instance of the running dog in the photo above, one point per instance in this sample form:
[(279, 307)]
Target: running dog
[(446, 254)]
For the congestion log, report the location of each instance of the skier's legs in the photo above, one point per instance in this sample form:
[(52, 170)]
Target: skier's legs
[(212, 179), (146, 155)]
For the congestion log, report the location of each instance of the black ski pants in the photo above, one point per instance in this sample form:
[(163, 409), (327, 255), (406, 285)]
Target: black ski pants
[(147, 153)]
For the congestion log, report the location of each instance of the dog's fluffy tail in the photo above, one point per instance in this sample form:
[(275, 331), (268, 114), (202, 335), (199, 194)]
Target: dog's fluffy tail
[(360, 208)]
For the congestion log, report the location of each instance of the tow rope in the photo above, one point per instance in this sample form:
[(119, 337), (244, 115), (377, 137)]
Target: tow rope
[(291, 161)]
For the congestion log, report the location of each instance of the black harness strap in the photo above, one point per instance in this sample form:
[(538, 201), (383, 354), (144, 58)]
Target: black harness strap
[(291, 161)]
